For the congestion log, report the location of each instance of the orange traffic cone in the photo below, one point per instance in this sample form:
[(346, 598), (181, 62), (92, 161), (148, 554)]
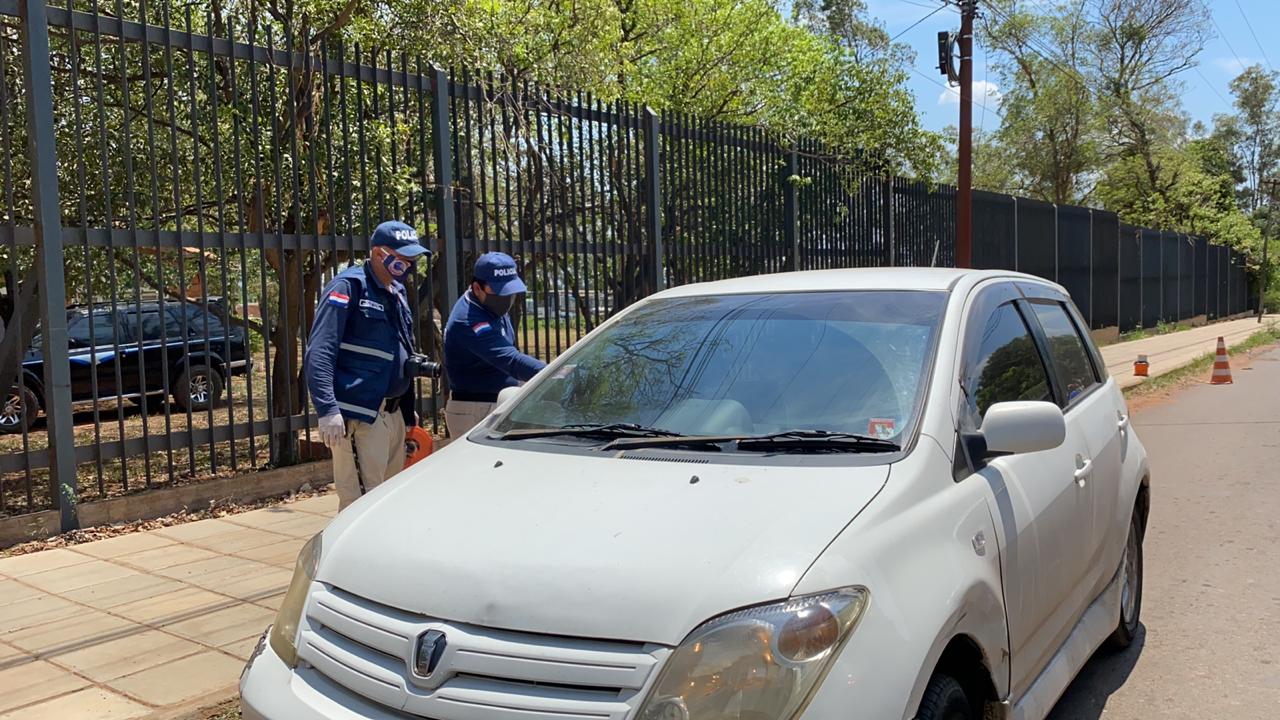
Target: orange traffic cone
[(1140, 366), (1221, 368)]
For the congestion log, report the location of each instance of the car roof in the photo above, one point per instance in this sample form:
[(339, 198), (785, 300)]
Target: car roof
[(936, 279)]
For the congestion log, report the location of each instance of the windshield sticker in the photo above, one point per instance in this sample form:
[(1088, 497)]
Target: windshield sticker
[(883, 428)]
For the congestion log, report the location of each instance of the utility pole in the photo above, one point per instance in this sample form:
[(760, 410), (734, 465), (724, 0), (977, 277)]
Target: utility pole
[(1272, 184), (964, 176)]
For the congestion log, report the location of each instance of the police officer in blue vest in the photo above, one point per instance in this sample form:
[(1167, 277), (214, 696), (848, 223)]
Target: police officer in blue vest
[(355, 363), (479, 344)]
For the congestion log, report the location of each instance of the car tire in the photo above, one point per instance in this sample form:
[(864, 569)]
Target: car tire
[(198, 387), (944, 699), (1130, 588), (18, 410)]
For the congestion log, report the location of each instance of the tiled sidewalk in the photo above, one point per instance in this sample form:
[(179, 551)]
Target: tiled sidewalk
[(121, 628)]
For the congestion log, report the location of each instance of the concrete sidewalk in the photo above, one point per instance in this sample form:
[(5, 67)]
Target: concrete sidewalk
[(140, 623), (1169, 352), (146, 624)]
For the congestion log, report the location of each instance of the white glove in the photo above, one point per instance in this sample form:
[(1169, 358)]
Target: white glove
[(332, 430)]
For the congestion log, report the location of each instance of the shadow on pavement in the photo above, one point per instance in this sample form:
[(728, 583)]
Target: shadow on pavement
[(1105, 673)]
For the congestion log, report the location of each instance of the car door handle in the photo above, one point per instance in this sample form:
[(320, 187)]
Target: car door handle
[(1122, 421), (1083, 468)]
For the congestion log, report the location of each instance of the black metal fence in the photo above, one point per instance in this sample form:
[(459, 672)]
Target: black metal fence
[(179, 185)]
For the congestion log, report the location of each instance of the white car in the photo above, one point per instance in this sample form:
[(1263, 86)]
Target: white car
[(828, 495)]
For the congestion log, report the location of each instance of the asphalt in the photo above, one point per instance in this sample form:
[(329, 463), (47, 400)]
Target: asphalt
[(1210, 643)]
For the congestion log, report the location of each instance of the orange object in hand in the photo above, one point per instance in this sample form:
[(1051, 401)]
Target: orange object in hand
[(417, 445)]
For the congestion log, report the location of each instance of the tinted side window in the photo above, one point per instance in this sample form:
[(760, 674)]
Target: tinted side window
[(80, 333), (1005, 367), (1070, 359), (196, 319), (147, 325)]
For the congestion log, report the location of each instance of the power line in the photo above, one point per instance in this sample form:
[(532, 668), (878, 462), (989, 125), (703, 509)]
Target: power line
[(1226, 40), (930, 78), (1254, 34), (1212, 87), (912, 26), (948, 88)]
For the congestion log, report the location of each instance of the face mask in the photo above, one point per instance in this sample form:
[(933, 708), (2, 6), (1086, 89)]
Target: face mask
[(398, 267), (499, 305)]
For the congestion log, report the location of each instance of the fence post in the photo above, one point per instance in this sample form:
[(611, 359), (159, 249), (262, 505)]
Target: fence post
[(653, 195), (790, 209), (887, 207), (442, 155), (37, 73)]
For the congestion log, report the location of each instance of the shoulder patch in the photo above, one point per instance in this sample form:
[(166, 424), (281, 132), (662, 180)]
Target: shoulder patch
[(338, 299), (481, 327)]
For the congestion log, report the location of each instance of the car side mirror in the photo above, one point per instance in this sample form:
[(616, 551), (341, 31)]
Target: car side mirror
[(506, 395), (1024, 426)]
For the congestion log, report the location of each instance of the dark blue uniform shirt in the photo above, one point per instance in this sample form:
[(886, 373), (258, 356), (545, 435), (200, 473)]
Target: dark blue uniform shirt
[(355, 310), (480, 353)]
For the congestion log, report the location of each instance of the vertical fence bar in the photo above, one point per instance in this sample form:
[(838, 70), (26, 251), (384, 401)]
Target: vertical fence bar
[(790, 221), (38, 75), (653, 197), (442, 154)]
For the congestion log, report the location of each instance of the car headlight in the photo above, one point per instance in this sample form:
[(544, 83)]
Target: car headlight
[(760, 663), (284, 633)]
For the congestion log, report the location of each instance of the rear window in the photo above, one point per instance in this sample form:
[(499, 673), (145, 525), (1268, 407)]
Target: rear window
[(1066, 348)]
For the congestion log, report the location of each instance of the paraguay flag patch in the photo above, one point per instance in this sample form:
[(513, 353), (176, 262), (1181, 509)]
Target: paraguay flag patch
[(338, 299), (481, 327)]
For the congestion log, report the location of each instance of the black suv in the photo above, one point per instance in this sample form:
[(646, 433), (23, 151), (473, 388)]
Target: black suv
[(198, 351)]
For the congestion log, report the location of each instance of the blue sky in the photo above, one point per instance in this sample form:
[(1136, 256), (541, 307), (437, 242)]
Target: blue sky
[(1204, 94)]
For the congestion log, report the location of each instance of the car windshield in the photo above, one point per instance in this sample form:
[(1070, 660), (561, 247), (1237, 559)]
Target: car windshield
[(851, 361)]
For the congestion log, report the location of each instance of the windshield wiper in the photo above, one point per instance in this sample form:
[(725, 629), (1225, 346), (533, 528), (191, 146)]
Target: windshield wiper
[(602, 430), (800, 440), (818, 441)]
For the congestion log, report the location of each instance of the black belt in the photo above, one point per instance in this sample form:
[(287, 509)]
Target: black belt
[(391, 404), (473, 396)]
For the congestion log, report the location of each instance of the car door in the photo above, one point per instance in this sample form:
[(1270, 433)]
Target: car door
[(1035, 497), (92, 351), (1090, 410)]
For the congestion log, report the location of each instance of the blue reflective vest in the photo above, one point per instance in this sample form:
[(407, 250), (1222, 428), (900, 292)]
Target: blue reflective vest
[(354, 355)]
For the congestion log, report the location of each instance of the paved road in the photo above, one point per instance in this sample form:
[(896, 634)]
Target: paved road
[(1211, 611)]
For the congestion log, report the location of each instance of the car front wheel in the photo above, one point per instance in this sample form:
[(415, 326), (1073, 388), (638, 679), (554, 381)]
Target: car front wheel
[(19, 410), (944, 699), (1130, 588), (198, 387)]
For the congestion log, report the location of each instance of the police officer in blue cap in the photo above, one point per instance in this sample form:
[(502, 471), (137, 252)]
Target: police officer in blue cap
[(355, 363), (479, 344)]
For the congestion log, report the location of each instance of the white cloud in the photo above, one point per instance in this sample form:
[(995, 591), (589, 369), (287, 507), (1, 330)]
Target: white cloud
[(1233, 66), (984, 93)]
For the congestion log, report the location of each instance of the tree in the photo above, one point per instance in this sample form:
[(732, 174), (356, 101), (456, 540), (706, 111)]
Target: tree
[(1050, 116), (1140, 48), (1257, 129)]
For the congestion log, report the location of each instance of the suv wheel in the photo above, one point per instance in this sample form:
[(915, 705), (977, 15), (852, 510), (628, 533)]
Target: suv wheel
[(944, 699), (198, 387), (19, 410), (1130, 588)]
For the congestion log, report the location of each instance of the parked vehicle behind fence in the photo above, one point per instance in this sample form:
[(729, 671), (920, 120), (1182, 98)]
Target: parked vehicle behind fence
[(881, 494), (142, 353)]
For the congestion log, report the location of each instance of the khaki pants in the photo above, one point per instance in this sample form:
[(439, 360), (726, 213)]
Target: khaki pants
[(462, 415), (370, 454)]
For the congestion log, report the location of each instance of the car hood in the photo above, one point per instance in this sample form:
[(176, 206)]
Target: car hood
[(601, 547)]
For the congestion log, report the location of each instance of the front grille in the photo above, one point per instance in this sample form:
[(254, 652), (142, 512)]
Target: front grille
[(483, 673)]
